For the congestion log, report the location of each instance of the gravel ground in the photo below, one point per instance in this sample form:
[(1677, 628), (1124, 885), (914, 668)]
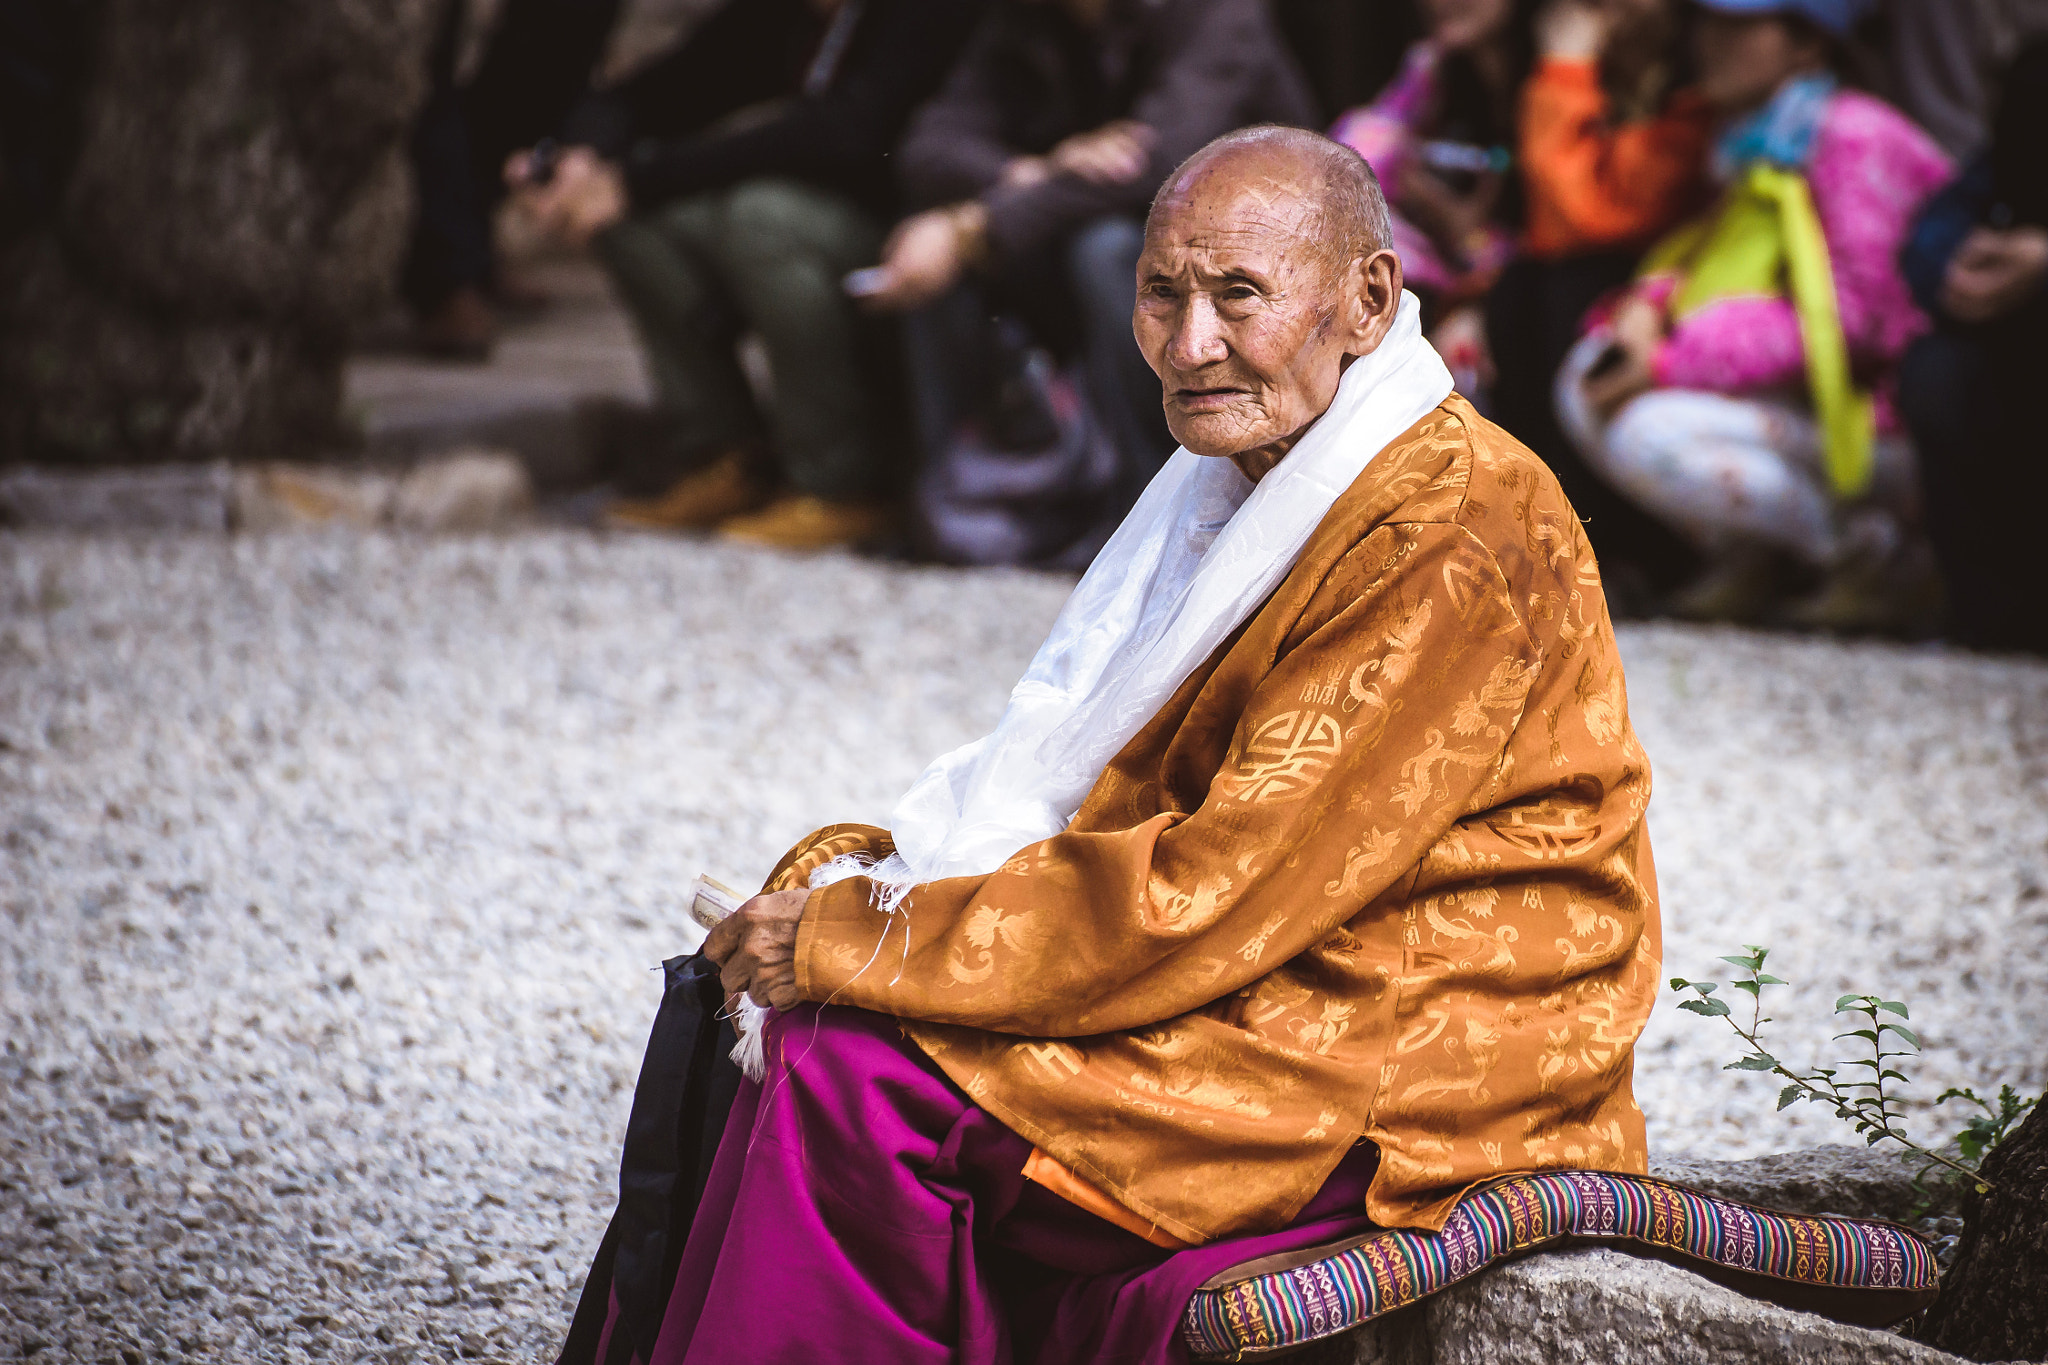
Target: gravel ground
[(334, 869)]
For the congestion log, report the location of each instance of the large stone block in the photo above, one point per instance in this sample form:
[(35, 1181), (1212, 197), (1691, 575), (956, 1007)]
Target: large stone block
[(1601, 1307), (1859, 1182), (1606, 1306)]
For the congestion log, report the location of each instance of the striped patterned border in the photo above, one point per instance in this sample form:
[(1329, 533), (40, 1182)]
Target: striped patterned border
[(1397, 1267)]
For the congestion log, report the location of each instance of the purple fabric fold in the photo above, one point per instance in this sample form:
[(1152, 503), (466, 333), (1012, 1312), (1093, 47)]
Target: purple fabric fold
[(861, 1208)]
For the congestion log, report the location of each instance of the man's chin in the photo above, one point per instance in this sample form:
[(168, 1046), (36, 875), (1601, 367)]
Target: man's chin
[(1214, 436)]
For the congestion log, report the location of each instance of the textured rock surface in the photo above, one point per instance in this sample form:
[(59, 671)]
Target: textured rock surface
[(180, 497), (238, 196), (1994, 1303), (333, 869), (1862, 1182), (1598, 1307)]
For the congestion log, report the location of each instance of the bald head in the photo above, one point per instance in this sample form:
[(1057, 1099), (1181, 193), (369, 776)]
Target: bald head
[(1341, 195), (1265, 272)]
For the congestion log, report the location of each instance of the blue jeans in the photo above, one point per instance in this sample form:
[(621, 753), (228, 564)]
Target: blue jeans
[(1102, 266)]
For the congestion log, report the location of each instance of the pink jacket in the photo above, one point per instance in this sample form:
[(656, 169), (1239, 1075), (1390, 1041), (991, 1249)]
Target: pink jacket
[(1871, 171)]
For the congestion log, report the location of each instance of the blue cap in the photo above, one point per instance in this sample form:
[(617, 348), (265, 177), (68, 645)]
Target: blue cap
[(1833, 16)]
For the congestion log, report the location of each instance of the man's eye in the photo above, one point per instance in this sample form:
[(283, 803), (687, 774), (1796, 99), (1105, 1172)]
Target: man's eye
[(1239, 293)]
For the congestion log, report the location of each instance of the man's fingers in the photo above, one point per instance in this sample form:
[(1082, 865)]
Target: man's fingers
[(720, 942), (774, 987), (767, 987), (901, 293)]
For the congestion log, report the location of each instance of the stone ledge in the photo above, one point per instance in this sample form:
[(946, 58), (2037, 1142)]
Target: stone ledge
[(1605, 1306), (1600, 1307), (171, 497), (462, 490), (1860, 1182)]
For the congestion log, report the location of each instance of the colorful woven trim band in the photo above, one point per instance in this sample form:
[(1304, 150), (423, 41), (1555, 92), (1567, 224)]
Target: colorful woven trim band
[(1737, 1243)]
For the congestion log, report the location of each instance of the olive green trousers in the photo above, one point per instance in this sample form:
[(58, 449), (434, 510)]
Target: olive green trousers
[(767, 257)]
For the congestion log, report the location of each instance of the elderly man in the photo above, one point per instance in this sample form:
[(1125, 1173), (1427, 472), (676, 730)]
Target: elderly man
[(1303, 884)]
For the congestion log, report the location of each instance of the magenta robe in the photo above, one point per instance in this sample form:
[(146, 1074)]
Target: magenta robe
[(862, 1209)]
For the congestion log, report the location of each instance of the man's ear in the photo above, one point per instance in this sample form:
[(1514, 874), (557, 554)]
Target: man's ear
[(1375, 296)]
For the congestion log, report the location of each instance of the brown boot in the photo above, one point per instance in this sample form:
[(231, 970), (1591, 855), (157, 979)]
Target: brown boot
[(1872, 594), (1737, 587), (802, 522), (724, 488), (462, 328)]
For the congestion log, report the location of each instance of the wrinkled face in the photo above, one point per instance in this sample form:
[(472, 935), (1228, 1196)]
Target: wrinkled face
[(1744, 58), (1456, 25), (1238, 310)]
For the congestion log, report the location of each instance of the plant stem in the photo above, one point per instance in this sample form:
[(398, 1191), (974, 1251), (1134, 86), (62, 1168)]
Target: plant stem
[(1833, 1095)]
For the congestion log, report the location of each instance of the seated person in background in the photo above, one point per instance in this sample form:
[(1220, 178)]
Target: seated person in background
[(1742, 389), (1943, 60), (1978, 261), (1033, 166), (730, 188), (1441, 138), (534, 66), (1612, 155), (1303, 884)]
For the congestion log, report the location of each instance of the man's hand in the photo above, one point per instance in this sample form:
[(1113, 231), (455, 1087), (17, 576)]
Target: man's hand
[(1022, 172), (585, 195), (926, 255), (1638, 330), (1114, 154), (1993, 272), (755, 949)]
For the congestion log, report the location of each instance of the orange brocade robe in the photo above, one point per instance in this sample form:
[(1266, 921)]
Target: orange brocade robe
[(1378, 870)]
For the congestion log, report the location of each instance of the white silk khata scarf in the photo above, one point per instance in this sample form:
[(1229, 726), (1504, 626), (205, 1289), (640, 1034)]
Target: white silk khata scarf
[(1201, 552)]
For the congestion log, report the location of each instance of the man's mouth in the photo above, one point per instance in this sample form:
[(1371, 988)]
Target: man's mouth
[(1193, 399)]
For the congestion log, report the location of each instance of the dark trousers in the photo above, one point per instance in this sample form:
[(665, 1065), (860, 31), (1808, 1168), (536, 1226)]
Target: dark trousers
[(536, 65), (767, 256), (1970, 399), (1102, 266), (1532, 321), (1077, 301)]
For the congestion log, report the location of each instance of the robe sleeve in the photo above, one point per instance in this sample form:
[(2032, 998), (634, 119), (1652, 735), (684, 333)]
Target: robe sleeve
[(821, 846), (1383, 717)]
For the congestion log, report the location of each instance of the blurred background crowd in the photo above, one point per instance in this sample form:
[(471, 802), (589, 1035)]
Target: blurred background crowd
[(1762, 280)]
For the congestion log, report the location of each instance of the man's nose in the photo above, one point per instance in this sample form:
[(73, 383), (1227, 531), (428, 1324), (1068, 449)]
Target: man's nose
[(1197, 336)]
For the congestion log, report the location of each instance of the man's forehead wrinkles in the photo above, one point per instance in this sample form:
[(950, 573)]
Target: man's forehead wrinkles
[(1258, 246), (1240, 217), (1237, 220), (1217, 256)]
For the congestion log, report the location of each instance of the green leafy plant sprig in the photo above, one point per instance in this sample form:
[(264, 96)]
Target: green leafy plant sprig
[(1982, 1132), (1863, 1091)]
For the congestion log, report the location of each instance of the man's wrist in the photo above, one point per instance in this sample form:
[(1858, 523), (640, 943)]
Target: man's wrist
[(806, 929)]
